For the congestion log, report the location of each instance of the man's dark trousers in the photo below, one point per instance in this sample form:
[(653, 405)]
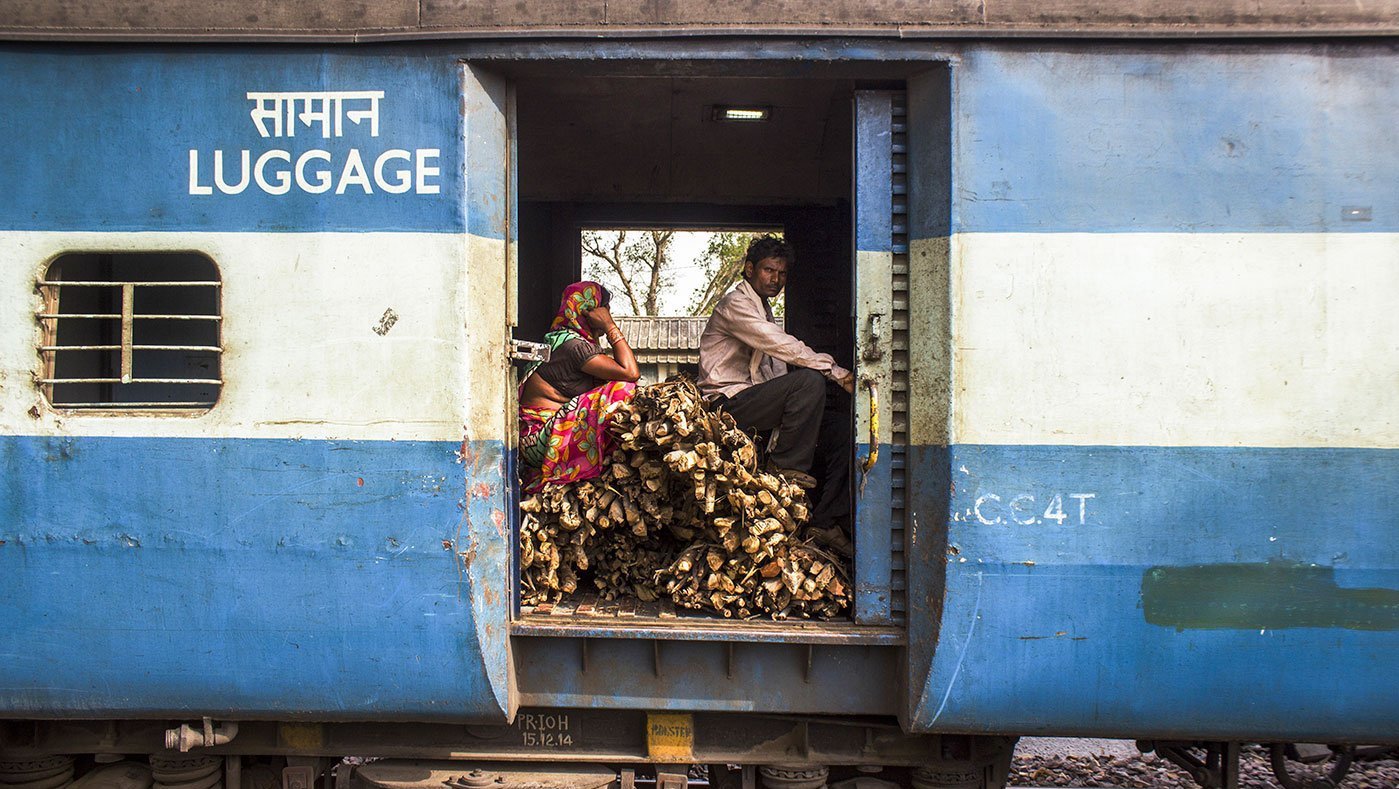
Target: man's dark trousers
[(795, 405)]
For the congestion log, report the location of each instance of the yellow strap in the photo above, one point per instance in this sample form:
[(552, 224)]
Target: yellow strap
[(873, 456)]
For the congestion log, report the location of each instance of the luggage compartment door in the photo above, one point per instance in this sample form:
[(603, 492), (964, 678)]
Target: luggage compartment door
[(881, 354), (902, 185), (488, 313), (928, 160)]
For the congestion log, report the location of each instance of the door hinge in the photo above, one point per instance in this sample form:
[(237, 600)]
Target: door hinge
[(526, 351)]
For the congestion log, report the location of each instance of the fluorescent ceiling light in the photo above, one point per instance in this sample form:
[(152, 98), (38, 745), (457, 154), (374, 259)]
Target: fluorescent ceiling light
[(742, 114)]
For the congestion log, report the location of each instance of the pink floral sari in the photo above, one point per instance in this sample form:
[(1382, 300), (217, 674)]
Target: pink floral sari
[(572, 443)]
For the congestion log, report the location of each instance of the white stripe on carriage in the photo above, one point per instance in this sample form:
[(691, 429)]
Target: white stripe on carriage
[(301, 354), (1175, 339)]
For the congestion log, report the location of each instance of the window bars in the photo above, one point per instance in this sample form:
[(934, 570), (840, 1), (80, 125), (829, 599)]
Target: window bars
[(93, 359)]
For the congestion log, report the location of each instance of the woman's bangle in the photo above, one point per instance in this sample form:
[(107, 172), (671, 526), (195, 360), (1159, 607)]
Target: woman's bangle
[(614, 336)]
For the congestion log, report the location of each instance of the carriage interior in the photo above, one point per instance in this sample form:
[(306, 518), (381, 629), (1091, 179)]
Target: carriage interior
[(629, 151), (647, 150)]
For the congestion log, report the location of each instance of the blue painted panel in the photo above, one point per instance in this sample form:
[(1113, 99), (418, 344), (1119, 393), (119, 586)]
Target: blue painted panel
[(325, 579), (873, 538), (1188, 139), (1053, 624), (925, 552), (929, 155), (489, 137), (873, 171), (103, 140)]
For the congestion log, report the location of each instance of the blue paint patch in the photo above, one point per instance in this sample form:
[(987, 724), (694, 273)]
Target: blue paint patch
[(331, 580), (489, 126), (126, 140), (1195, 139), (873, 172), (1042, 627), (1263, 596), (873, 599)]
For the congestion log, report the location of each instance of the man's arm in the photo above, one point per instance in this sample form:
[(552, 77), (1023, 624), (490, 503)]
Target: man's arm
[(751, 327)]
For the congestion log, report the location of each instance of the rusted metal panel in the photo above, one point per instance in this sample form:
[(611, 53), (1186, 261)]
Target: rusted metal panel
[(785, 13), (930, 121), (1001, 15), (1185, 15), (708, 675), (406, 19), (254, 18), (464, 14)]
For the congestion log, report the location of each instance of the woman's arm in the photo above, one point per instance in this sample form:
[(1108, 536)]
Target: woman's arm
[(621, 366)]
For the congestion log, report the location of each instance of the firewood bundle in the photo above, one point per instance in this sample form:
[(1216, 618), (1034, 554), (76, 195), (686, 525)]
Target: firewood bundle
[(683, 512)]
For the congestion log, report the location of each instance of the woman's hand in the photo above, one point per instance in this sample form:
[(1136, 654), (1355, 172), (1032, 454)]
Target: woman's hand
[(621, 365), (600, 319)]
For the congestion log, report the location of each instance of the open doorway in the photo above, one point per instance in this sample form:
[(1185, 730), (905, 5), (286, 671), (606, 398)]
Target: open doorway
[(655, 155), (639, 152)]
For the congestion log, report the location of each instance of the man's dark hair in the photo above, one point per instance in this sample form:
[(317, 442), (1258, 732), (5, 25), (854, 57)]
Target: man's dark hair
[(769, 247)]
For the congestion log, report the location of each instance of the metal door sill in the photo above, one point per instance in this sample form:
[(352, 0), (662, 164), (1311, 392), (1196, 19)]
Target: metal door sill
[(590, 618)]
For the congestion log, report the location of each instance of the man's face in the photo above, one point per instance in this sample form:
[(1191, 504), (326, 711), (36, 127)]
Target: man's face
[(767, 277)]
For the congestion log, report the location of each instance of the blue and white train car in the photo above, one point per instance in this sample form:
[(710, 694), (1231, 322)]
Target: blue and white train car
[(1119, 303)]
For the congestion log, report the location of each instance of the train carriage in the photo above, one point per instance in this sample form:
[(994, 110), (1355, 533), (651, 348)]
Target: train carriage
[(1116, 286)]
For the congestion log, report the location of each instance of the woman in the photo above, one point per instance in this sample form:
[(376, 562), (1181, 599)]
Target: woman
[(567, 402)]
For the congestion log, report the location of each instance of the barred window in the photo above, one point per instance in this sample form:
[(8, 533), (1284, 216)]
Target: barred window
[(131, 331)]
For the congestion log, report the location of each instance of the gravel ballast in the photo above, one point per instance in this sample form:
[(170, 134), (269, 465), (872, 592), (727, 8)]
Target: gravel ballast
[(1035, 767)]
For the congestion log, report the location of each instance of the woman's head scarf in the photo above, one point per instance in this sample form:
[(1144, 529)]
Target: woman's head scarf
[(577, 299), (571, 321)]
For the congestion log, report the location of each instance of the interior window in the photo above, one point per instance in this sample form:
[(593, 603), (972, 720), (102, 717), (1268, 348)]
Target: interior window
[(665, 282)]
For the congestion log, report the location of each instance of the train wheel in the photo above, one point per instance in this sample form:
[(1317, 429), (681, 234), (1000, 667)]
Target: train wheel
[(793, 776), (1295, 771), (950, 776), (40, 772)]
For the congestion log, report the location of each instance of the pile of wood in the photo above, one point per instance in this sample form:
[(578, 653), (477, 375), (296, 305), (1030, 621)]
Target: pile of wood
[(682, 513)]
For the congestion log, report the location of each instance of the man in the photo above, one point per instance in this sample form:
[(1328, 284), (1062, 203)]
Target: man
[(769, 380)]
